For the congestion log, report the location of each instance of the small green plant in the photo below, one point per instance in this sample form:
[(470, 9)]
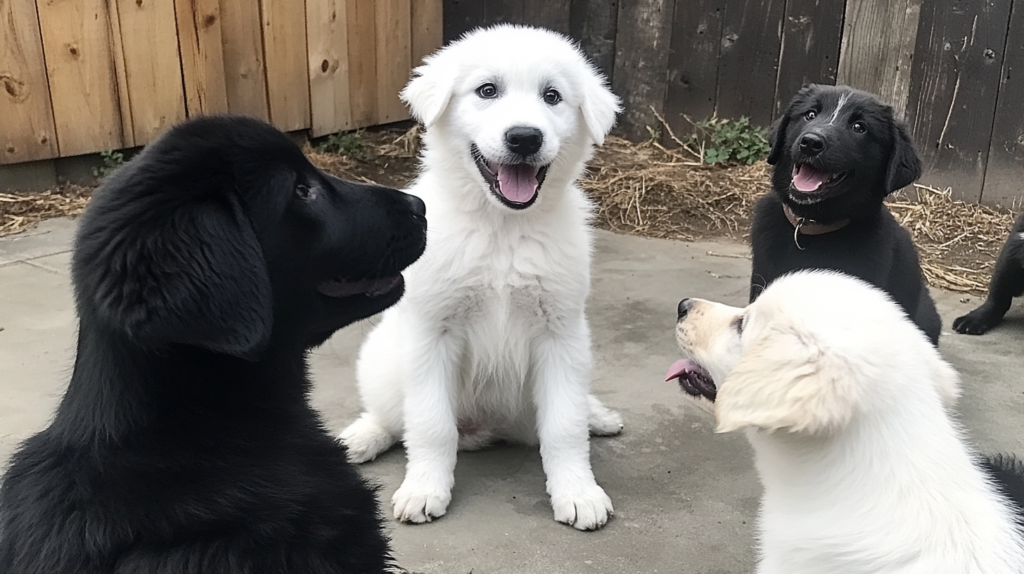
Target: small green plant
[(112, 159), (729, 141), (343, 143)]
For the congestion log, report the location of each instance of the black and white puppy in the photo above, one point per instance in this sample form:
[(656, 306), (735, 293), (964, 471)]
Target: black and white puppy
[(1007, 283), (204, 269), (837, 153)]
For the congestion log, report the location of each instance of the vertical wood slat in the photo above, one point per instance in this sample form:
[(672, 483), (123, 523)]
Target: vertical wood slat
[(461, 16), (641, 57), (245, 76), (878, 47), (327, 31), (202, 56), (155, 95), (749, 59), (594, 23), (28, 132), (362, 57), (550, 14), (427, 28), (121, 74), (811, 35), (693, 63), (394, 56), (80, 68), (284, 52), (1003, 185)]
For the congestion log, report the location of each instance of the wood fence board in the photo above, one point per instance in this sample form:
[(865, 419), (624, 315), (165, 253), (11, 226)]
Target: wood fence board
[(427, 28), (594, 23), (80, 68), (202, 56), (284, 52), (28, 132), (550, 14), (327, 32), (460, 16), (641, 57), (878, 48), (693, 63), (811, 34), (1005, 168), (121, 75), (245, 75), (151, 62), (749, 59), (953, 90), (394, 57), (362, 58), (496, 11)]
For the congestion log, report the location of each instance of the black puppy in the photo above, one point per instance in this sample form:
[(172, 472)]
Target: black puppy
[(837, 153), (204, 270), (1007, 282)]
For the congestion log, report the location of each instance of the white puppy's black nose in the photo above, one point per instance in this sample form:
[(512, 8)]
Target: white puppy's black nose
[(812, 144), (684, 308), (523, 141)]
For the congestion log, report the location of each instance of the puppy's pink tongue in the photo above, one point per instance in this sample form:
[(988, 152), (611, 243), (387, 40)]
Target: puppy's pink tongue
[(518, 182), (806, 178), (680, 367)]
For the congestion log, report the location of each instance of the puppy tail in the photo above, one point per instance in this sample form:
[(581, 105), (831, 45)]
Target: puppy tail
[(1007, 472)]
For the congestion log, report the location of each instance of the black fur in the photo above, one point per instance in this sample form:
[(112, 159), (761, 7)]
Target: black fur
[(878, 161), (185, 442), (1007, 282), (1007, 473)]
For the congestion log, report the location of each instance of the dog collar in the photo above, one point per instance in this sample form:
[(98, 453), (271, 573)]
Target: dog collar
[(810, 226)]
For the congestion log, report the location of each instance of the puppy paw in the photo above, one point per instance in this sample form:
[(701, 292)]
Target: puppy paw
[(602, 420), (586, 509), (365, 439), (418, 504), (977, 322)]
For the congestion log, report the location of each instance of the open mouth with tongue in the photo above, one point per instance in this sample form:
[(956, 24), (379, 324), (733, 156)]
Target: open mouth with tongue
[(809, 179), (693, 379), (516, 185), (374, 287)]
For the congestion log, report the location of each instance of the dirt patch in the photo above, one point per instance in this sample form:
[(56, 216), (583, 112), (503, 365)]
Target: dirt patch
[(646, 189)]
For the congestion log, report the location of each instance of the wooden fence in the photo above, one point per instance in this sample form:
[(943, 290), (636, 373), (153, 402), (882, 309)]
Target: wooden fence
[(953, 69), (82, 76)]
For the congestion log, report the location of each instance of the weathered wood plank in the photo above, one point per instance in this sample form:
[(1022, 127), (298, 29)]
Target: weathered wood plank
[(327, 32), (28, 132), (460, 16), (362, 58), (284, 51), (202, 56), (156, 96), (811, 34), (121, 74), (1004, 174), (80, 68), (749, 59), (594, 23), (878, 48), (953, 90), (550, 14), (245, 76), (394, 57), (641, 57), (427, 28), (693, 63)]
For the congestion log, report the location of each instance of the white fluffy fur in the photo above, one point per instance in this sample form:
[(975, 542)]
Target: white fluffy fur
[(846, 405), (491, 339)]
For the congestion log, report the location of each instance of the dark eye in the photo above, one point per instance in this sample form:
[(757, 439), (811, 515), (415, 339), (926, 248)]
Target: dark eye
[(304, 192), (810, 115), (859, 127), (552, 97), (487, 91)]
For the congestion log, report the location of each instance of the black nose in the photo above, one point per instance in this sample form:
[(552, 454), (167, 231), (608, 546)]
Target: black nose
[(524, 141), (684, 308), (812, 144), (417, 205)]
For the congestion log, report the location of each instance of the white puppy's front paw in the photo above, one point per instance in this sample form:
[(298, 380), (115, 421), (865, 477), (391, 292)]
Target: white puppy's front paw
[(365, 439), (418, 504), (602, 420), (584, 509)]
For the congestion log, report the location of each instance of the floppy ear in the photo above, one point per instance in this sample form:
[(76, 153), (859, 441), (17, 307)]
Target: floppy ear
[(785, 382), (599, 105), (904, 163), (429, 91), (192, 275)]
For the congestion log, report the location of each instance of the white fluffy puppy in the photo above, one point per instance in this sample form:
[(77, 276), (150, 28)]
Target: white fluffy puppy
[(491, 341), (845, 403)]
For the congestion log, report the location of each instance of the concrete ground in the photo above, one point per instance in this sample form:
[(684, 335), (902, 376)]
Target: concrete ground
[(685, 498)]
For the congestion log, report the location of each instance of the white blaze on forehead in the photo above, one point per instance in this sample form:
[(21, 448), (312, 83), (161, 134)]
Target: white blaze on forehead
[(842, 102)]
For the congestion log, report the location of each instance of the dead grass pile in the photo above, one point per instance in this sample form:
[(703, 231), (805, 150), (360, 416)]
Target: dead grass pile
[(22, 211)]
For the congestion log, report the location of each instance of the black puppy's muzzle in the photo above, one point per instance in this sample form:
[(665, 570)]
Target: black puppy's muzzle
[(812, 144), (416, 204)]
